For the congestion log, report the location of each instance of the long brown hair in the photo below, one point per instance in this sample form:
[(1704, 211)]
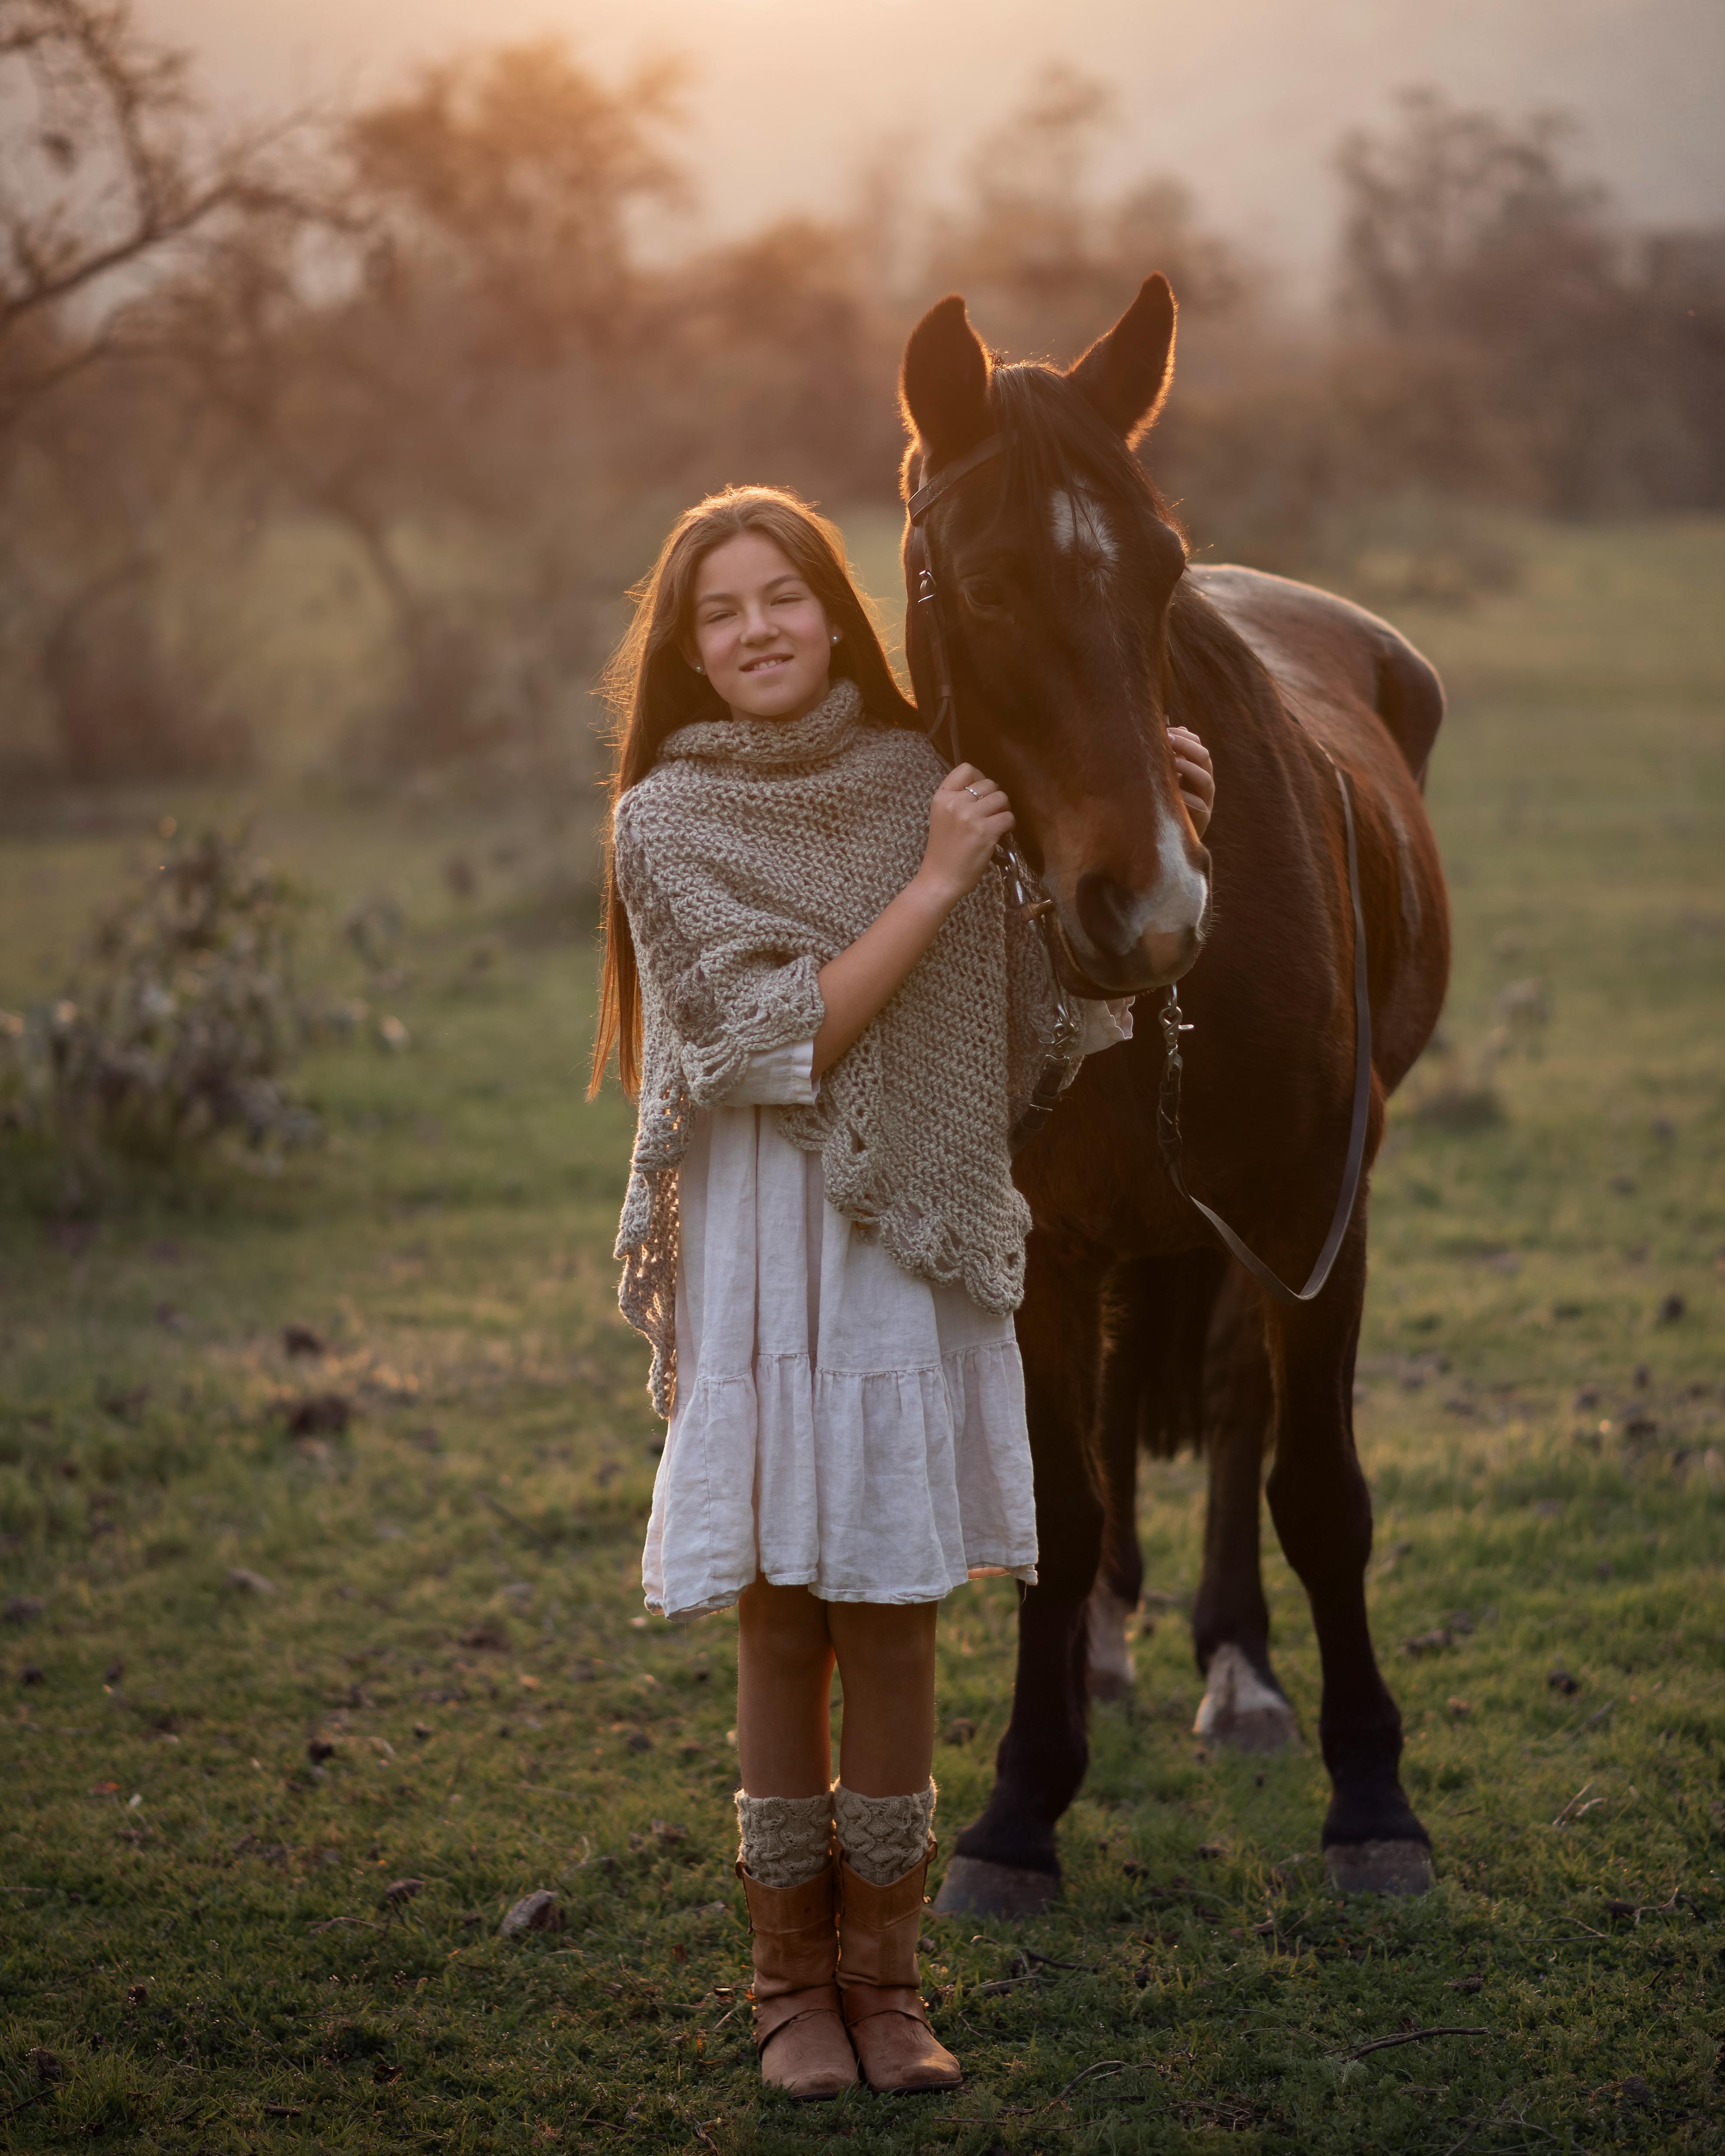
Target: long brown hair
[(652, 690)]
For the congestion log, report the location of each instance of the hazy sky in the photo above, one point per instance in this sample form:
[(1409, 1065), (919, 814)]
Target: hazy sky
[(1243, 98)]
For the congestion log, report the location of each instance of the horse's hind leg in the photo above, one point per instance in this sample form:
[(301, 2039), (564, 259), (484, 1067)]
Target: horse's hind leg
[(1005, 1865), (1372, 1841), (1243, 1703)]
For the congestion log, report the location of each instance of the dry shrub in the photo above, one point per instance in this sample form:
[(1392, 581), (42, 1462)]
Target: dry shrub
[(179, 1030)]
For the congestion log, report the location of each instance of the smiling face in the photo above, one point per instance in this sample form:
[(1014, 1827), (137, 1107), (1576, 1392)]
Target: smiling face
[(757, 631)]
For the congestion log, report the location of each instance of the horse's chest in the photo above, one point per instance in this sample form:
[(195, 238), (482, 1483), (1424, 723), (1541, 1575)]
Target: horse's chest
[(1094, 1179)]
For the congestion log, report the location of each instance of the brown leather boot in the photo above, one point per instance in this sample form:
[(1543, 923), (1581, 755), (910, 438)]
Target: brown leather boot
[(799, 2029), (879, 1927)]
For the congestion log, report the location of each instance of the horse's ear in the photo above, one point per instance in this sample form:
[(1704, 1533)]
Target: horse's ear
[(1126, 374), (943, 385)]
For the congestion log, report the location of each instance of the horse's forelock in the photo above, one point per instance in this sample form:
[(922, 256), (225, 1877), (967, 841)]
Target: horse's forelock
[(1055, 437)]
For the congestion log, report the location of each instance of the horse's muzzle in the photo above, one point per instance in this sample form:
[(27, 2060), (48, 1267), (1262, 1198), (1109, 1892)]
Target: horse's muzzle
[(1123, 942)]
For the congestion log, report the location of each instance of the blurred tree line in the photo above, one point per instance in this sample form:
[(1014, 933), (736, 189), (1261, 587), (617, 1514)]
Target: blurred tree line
[(432, 343)]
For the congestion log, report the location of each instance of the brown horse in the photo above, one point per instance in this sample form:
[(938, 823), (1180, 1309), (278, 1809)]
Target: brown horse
[(1076, 632)]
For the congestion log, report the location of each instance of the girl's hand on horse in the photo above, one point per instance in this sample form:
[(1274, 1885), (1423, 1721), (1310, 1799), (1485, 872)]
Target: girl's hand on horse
[(1198, 776), (967, 819)]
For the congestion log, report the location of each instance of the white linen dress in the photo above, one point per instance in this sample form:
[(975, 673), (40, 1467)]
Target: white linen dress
[(840, 1424)]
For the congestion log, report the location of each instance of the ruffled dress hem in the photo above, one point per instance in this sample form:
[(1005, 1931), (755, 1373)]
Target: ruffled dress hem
[(1025, 1573), (787, 1425)]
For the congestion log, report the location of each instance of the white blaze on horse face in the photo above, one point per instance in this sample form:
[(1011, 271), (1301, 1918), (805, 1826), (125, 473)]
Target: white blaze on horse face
[(1079, 525)]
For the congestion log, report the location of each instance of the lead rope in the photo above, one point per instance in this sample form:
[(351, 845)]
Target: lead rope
[(1061, 1053), (1167, 1101)]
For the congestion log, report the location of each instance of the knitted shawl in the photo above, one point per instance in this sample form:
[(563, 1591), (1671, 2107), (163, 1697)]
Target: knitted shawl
[(753, 853)]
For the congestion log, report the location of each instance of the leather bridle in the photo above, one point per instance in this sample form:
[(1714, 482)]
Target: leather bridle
[(1063, 1055), (1032, 902), (943, 729)]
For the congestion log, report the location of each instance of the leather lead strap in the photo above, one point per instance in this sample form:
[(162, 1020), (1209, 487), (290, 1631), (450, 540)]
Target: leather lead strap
[(1061, 1063), (943, 729), (1168, 1106)]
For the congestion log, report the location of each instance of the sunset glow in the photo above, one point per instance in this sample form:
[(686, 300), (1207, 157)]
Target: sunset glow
[(1242, 100)]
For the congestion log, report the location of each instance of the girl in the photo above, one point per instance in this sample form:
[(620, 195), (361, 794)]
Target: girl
[(801, 920)]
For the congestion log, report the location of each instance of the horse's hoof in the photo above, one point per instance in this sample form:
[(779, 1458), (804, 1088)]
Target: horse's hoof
[(1379, 1867), (974, 1888), (1239, 1709), (1111, 1673)]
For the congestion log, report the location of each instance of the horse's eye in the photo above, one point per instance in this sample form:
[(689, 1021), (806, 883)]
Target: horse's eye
[(983, 595)]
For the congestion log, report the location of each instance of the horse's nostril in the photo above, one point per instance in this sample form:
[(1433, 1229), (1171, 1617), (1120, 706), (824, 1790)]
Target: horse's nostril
[(1108, 914)]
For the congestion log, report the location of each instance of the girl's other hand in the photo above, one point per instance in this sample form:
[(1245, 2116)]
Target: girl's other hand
[(966, 819), (1198, 776)]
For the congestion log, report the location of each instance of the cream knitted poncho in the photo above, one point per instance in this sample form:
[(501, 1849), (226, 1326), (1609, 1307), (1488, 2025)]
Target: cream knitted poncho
[(752, 853)]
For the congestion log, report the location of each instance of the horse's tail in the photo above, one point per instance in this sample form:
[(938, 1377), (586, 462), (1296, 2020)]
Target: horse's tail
[(1157, 1314)]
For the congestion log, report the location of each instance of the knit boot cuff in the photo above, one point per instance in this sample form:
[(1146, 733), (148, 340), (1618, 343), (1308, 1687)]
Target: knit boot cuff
[(784, 1840), (883, 1837)]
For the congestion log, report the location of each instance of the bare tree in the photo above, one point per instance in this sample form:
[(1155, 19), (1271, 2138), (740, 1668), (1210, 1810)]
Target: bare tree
[(1456, 220), (110, 171), (1045, 256), (1472, 248), (516, 178), (116, 190)]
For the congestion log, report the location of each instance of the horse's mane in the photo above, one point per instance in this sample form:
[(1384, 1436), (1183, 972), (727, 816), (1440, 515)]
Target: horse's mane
[(1054, 430), (1212, 669)]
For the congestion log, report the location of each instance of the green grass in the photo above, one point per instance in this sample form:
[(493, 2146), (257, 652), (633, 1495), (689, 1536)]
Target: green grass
[(454, 1608)]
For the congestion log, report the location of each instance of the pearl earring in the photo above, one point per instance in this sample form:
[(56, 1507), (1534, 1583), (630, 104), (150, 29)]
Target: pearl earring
[(835, 636), (699, 668)]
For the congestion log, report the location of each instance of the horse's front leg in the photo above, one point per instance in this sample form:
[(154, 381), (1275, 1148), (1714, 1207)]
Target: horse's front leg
[(1005, 1865), (1244, 1704), (1372, 1841)]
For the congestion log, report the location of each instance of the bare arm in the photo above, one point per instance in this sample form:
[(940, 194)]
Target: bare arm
[(966, 819)]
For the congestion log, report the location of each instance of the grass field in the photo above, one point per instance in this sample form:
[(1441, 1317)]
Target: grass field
[(439, 1674)]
